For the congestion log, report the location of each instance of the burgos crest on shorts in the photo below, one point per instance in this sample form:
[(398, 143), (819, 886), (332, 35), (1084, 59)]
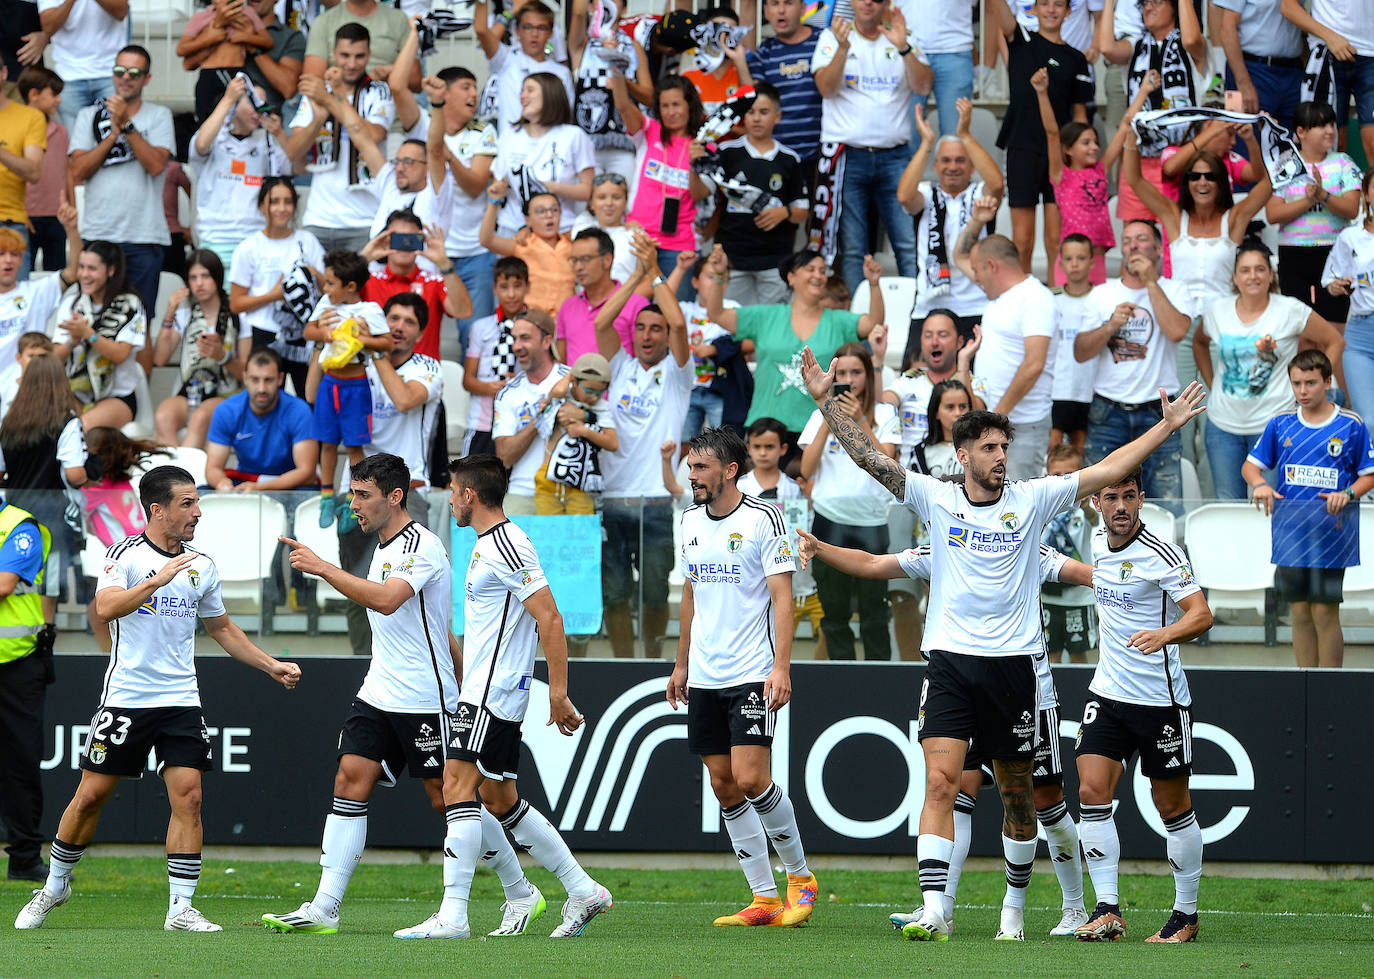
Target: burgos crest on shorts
[(1009, 521), (1126, 568), (1334, 446), (735, 543)]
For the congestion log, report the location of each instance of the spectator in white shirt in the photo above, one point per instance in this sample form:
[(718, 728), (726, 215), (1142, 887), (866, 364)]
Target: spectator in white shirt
[(510, 65), (1346, 29), (86, 38), (521, 423)]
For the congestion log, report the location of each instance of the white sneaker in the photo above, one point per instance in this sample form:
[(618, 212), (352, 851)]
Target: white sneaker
[(1013, 926), (929, 927), (579, 911), (517, 916), (189, 919), (36, 911), (1073, 917), (434, 927), (305, 920), (900, 920)]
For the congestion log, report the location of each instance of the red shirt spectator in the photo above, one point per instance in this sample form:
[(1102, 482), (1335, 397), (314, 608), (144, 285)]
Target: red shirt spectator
[(430, 287)]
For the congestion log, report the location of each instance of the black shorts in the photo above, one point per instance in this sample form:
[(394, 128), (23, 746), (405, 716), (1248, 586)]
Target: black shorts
[(1325, 586), (491, 743), (1162, 735), (990, 699), (1069, 416), (717, 720), (1028, 179), (121, 737), (398, 741), (1300, 276), (1069, 628), (1048, 768)]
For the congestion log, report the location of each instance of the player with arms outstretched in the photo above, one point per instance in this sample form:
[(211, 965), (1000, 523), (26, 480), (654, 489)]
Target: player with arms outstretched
[(733, 669), (151, 590), (1147, 603), (984, 622)]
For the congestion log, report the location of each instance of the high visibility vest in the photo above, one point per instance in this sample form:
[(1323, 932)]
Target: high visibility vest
[(21, 613)]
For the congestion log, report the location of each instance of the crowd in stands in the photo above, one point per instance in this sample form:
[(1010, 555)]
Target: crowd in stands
[(629, 227)]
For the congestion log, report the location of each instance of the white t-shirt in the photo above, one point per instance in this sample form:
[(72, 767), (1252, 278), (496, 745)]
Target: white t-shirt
[(623, 264), (913, 390), (516, 406), (1138, 587), (259, 262), (841, 491), (985, 580), (1139, 360), (87, 43), (364, 311), (430, 206), (944, 26), (1353, 257), (502, 637), (1263, 30), (729, 561), (466, 212), (1250, 384), (406, 433), (482, 347), (333, 201), (1352, 19), (134, 333), (510, 66), (870, 109), (24, 309), (1025, 310), (123, 203), (1077, 29), (411, 671), (559, 155), (1127, 22), (787, 488), (649, 404), (1072, 381), (964, 297), (227, 180), (152, 657)]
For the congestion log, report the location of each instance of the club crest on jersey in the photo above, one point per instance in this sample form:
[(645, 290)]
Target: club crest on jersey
[(1127, 568), (194, 575), (386, 571), (97, 753), (1334, 445), (735, 543), (475, 559), (1009, 521)]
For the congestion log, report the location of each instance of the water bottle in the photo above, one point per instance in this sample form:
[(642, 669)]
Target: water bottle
[(193, 394)]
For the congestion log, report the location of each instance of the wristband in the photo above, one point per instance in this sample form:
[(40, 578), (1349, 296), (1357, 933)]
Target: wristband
[(1350, 492), (448, 271), (495, 202), (228, 356), (127, 128), (904, 51), (659, 281), (438, 105)]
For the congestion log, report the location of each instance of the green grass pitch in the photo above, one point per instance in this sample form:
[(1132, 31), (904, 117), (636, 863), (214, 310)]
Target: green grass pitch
[(661, 926)]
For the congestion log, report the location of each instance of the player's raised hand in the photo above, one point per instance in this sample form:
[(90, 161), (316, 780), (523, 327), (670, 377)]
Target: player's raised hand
[(1186, 406), (1264, 496), (818, 382), (303, 558), (677, 687), (1149, 641), (777, 689), (807, 548), (287, 674), (173, 568), (563, 714)]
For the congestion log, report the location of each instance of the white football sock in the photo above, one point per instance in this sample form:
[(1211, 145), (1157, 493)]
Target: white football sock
[(62, 860), (932, 868), (963, 839), (780, 823), (345, 836), (1102, 849), (1020, 860), (499, 855), (751, 847), (1062, 835), (183, 873), (1185, 857), (537, 835), (462, 847)]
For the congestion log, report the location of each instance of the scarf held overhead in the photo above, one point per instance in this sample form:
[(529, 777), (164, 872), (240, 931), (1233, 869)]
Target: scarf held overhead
[(1169, 127)]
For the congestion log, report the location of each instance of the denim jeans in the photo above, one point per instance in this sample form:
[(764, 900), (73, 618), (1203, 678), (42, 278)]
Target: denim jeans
[(1028, 451), (144, 263), (870, 177), (1358, 360), (1279, 91), (77, 93), (475, 271), (1226, 452), (667, 262), (1354, 80), (1111, 426), (704, 410), (953, 81), (27, 265)]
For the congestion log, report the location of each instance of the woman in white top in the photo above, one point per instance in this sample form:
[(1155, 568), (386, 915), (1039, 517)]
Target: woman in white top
[(1242, 351), (851, 507), (100, 324), (544, 147), (261, 262), (1350, 272)]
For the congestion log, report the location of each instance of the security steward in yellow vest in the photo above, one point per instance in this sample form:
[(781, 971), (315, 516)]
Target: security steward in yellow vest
[(26, 646)]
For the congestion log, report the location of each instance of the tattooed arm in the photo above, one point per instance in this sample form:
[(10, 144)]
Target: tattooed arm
[(866, 453), (984, 210)]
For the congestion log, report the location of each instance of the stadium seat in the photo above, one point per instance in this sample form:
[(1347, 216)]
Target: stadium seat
[(1229, 550), (167, 283), (1192, 489), (142, 425), (192, 460), (899, 296), (1359, 580), (323, 541), (456, 401), (1160, 521), (239, 532), (983, 126)]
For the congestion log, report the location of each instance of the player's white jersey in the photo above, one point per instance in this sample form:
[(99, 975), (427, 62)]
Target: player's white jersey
[(412, 670), (502, 637), (1138, 587), (729, 560), (915, 561), (985, 580), (152, 659)]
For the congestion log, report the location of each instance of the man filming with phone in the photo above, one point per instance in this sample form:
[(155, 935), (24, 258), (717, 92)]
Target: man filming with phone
[(402, 241)]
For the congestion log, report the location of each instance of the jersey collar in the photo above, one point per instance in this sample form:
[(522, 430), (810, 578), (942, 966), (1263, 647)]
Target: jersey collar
[(1139, 528), (148, 540), (493, 528), (395, 535)]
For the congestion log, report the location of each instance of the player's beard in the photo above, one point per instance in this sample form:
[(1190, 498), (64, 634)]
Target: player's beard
[(987, 479), (708, 494), (462, 514)]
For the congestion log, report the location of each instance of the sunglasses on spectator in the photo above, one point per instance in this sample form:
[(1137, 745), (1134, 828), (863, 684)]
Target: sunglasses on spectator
[(1207, 175), (609, 178), (119, 71), (595, 390)]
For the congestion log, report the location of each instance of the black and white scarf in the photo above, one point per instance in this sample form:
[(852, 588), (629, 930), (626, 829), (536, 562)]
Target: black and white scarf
[(326, 150), (299, 298), (439, 24), (727, 116), (1170, 127), (1319, 77), (208, 372), (503, 360), (711, 38), (1177, 87), (740, 194), (823, 229), (120, 152), (575, 462), (931, 223), (525, 184), (92, 375)]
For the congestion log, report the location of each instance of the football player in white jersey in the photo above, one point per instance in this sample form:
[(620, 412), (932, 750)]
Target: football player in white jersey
[(1047, 777), (733, 670), (152, 588), (508, 609), (400, 714), (1147, 603), (984, 619)]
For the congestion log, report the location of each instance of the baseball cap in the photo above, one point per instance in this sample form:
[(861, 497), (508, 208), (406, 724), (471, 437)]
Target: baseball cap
[(592, 367)]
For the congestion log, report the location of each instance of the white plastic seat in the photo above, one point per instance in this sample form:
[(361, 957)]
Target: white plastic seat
[(239, 532), (456, 401), (188, 458), (899, 298), (324, 541), (1229, 547), (1192, 488), (1160, 521), (142, 425), (1359, 580)]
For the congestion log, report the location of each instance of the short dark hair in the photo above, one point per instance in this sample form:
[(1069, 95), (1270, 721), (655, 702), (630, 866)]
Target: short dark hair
[(139, 50), (266, 355), (510, 266), (1076, 238), (1310, 115), (768, 91), (970, 426), (416, 304), (157, 485), (534, 7), (762, 426), (454, 73), (1136, 476), (1153, 226), (388, 471), (1311, 360), (605, 245), (525, 205), (723, 443), (484, 474), (349, 266), (353, 31), (35, 78), (404, 214)]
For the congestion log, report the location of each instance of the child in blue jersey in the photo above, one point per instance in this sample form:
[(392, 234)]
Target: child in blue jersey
[(1325, 464)]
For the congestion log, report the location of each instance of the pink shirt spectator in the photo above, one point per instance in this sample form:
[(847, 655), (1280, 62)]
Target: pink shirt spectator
[(41, 200), (113, 510), (664, 172), (1082, 199), (577, 323)]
